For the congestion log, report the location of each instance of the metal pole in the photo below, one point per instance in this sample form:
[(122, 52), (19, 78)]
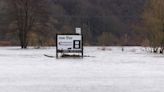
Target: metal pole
[(57, 46)]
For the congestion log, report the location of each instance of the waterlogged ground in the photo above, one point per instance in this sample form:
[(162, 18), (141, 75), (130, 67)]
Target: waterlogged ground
[(133, 70)]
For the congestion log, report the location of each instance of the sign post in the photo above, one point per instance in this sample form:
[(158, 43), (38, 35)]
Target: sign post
[(69, 43)]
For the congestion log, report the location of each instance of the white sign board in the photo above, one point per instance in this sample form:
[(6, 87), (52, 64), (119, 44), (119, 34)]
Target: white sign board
[(78, 30), (69, 42)]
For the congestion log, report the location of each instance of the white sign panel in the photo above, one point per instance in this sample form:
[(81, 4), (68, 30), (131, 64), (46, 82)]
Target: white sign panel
[(69, 42), (78, 30)]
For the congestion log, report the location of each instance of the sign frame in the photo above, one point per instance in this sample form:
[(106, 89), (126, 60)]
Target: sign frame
[(81, 49)]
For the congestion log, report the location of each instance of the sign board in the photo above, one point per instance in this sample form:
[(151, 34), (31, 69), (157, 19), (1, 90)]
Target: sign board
[(69, 43), (78, 30)]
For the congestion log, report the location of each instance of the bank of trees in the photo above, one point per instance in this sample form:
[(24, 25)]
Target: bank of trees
[(37, 21), (103, 22)]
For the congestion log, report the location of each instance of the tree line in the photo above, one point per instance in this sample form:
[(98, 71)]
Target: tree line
[(109, 22)]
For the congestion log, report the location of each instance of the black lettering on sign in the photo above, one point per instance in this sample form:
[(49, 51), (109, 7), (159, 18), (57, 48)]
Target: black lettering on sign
[(68, 37), (61, 37)]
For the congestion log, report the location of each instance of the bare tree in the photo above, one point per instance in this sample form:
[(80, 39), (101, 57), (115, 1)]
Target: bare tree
[(25, 14), (154, 24)]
